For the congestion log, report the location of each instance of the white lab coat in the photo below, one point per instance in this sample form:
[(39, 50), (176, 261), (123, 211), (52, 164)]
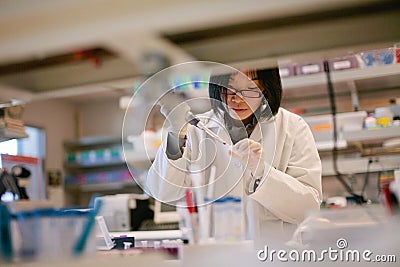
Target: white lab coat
[(291, 185)]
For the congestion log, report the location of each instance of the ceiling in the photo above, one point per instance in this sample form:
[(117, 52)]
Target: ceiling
[(96, 49)]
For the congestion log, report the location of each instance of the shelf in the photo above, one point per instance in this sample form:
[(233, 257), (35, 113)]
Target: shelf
[(304, 81), (378, 73), (328, 145), (94, 165), (7, 134), (101, 186), (374, 85), (360, 165), (93, 141), (374, 134)]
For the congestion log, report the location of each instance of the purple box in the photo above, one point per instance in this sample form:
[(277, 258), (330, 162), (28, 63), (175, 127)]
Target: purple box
[(287, 70), (310, 68), (343, 63)]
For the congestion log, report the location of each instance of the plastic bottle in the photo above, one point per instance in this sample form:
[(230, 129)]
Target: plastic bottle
[(221, 218), (370, 121), (236, 233)]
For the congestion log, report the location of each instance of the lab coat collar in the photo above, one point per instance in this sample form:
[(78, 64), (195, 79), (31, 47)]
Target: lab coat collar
[(214, 123), (256, 135)]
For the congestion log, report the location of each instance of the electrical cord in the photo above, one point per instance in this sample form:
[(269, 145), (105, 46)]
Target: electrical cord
[(366, 178), (358, 198)]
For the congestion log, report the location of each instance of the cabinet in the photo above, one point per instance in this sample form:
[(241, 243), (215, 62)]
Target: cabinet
[(96, 165), (365, 88)]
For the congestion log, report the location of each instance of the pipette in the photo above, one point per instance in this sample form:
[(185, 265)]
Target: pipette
[(196, 122)]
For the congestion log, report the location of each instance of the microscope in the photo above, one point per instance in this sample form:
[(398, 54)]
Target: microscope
[(15, 182)]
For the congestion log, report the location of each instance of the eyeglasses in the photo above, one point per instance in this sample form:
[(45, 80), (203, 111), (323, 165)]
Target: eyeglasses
[(244, 93)]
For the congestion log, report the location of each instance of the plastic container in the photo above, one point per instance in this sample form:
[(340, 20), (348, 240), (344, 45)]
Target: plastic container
[(370, 122), (52, 235), (367, 59), (396, 53), (221, 219), (236, 232), (310, 68), (322, 125), (384, 116), (227, 213), (385, 56), (377, 57), (343, 63), (287, 71)]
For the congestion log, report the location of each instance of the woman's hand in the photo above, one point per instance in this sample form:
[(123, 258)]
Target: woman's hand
[(175, 111), (250, 153)]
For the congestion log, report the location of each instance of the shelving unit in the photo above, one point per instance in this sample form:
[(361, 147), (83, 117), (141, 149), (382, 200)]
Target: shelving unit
[(388, 159), (378, 83), (379, 75), (360, 164), (103, 186), (96, 165), (374, 134), (374, 86)]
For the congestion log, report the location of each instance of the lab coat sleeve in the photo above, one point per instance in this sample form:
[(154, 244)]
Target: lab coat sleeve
[(167, 179), (290, 194)]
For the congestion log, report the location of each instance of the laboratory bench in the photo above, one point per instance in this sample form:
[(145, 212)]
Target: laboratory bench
[(361, 228)]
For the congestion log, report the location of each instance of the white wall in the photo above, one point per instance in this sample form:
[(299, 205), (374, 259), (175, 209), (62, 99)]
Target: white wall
[(56, 117), (102, 118)]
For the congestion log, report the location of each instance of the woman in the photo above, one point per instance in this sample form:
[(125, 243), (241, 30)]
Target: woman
[(271, 160)]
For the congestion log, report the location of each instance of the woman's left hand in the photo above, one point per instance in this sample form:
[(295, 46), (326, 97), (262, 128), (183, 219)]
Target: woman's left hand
[(250, 153)]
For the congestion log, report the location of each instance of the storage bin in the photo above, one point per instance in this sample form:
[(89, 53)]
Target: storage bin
[(47, 234), (322, 125), (376, 57), (343, 63), (309, 68), (287, 70)]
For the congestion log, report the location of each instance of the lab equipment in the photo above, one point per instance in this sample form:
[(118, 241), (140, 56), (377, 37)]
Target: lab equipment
[(227, 215), (22, 175), (194, 218), (370, 122), (367, 227), (48, 234), (105, 242), (322, 127), (197, 123), (9, 183), (124, 212), (83, 239), (384, 116), (127, 245), (124, 242), (170, 101), (5, 234)]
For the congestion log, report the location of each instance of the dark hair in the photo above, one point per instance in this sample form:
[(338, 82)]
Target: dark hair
[(269, 80)]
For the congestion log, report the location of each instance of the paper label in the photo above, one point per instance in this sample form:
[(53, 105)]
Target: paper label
[(345, 64), (310, 69)]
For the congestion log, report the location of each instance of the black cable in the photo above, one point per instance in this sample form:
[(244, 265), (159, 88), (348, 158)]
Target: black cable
[(379, 184), (358, 198), (366, 178)]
